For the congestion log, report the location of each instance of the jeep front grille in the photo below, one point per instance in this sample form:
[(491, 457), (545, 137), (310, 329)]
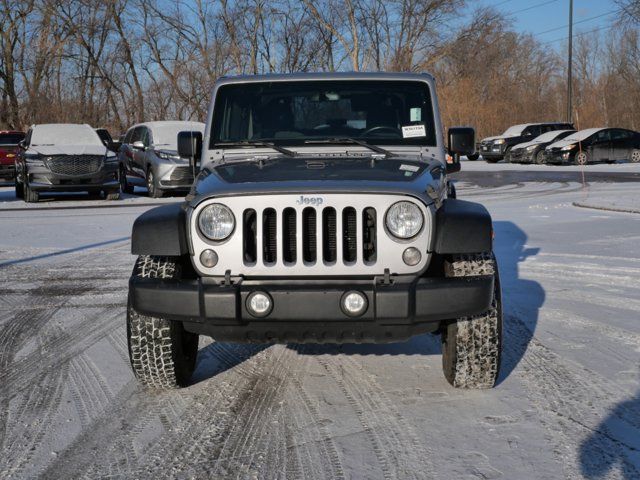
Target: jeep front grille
[(276, 235), (308, 224), (74, 165)]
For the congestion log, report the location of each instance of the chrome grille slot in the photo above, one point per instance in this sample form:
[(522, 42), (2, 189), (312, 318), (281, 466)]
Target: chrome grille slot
[(74, 165), (329, 246), (279, 235), (289, 239), (309, 235), (249, 232), (349, 235), (269, 231), (369, 250)]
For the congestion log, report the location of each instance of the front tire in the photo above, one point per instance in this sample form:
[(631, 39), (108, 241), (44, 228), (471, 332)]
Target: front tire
[(124, 184), (582, 158), (162, 353), (471, 346), (539, 158), (152, 185), (473, 157), (19, 189), (113, 195), (30, 196)]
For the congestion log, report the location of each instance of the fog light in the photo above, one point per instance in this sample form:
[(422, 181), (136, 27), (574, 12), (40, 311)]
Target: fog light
[(209, 258), (354, 304), (411, 256), (259, 304)]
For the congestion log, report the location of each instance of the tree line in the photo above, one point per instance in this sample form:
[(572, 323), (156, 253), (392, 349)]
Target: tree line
[(116, 62)]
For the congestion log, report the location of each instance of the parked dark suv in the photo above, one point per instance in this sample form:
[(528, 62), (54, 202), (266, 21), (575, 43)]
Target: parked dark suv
[(596, 145), (494, 149), (65, 158), (9, 141)]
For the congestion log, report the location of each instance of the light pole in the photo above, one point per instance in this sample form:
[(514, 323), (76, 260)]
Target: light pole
[(570, 64)]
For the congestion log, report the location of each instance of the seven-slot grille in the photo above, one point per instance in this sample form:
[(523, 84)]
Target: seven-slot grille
[(331, 234), (309, 235), (74, 165)]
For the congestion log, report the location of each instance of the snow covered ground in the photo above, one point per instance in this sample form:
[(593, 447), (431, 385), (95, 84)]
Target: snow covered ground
[(567, 405)]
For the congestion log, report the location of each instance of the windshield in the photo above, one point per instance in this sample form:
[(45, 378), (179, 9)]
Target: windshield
[(11, 138), (64, 134), (582, 135), (552, 135), (514, 131), (166, 136), (292, 113)]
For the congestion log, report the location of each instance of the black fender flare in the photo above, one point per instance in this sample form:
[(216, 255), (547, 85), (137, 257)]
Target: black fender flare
[(463, 227), (161, 231)]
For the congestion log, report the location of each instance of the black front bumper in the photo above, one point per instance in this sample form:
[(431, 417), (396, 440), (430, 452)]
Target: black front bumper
[(310, 310), (491, 155), (556, 158), (104, 179)]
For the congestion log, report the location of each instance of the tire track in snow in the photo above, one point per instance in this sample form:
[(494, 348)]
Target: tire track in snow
[(558, 391), (326, 447), (399, 452), (32, 423)]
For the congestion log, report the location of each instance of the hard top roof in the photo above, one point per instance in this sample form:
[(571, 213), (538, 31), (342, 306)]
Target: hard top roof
[(320, 76)]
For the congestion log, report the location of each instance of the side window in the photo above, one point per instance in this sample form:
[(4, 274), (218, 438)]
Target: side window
[(128, 135), (136, 135), (532, 131), (27, 138), (620, 134), (146, 136), (602, 136)]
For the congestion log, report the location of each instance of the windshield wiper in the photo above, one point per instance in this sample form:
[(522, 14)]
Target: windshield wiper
[(258, 143), (354, 141)]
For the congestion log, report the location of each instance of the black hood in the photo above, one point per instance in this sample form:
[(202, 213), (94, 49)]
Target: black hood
[(316, 174)]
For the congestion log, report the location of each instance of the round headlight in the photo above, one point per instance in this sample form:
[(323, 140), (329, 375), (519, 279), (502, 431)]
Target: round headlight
[(216, 222), (404, 220)]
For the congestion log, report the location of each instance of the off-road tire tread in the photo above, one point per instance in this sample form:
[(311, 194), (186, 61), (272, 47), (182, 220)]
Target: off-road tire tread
[(471, 346), (162, 353)]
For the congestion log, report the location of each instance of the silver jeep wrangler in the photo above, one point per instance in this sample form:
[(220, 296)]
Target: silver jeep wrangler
[(321, 212)]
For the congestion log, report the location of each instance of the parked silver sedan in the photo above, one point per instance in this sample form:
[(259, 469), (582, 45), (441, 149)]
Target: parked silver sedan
[(149, 158)]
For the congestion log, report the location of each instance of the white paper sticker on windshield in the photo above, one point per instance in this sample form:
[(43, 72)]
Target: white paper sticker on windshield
[(415, 114), (412, 131), (409, 168)]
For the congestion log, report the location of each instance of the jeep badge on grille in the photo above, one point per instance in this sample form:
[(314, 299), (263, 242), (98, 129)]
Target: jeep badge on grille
[(316, 201)]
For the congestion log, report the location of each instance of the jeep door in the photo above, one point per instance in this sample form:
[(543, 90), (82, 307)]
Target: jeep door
[(601, 147)]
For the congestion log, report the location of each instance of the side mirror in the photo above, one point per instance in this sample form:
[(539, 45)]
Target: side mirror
[(138, 145), (461, 141), (22, 144), (190, 146)]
